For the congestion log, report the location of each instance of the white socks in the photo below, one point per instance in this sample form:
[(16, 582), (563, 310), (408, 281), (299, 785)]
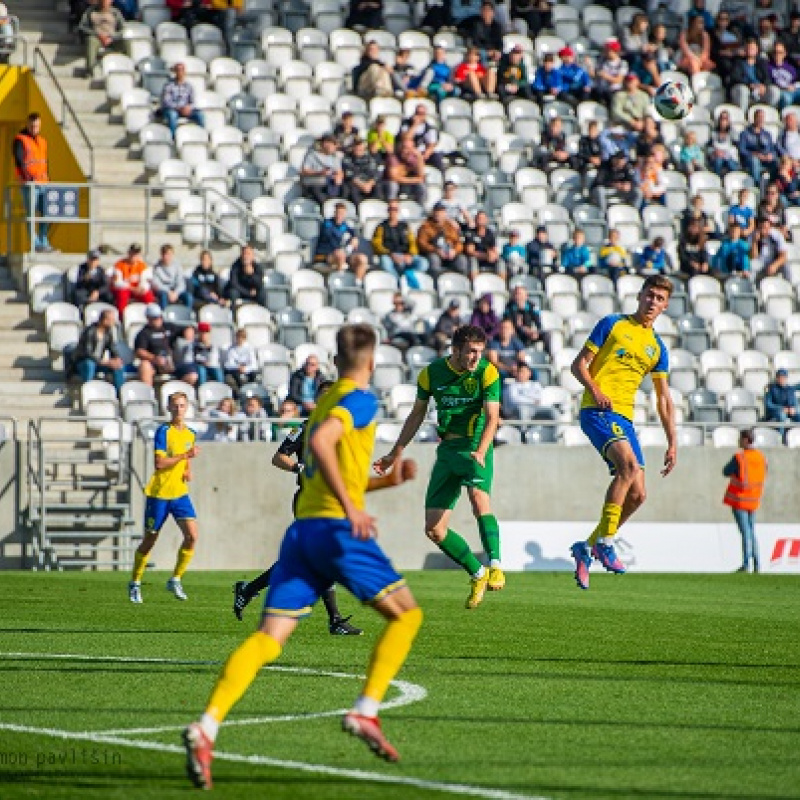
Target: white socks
[(367, 707), (210, 726)]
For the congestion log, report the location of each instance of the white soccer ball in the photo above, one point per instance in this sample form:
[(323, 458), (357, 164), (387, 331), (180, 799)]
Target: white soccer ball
[(673, 100)]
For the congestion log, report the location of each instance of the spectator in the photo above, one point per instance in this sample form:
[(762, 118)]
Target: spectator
[(464, 11), (650, 181), (766, 35), (321, 175), (424, 135), (783, 74), (439, 240), (631, 106), (536, 13), (513, 254), (400, 324), (362, 174), (131, 280), (380, 139), (456, 210), (394, 243), (740, 12), (665, 53), (695, 48), (614, 256), (766, 8), (616, 139), (241, 364), (437, 79), (254, 427), (768, 251), (153, 346), (446, 326), (640, 52), (337, 246), (183, 356), (699, 11), (221, 431), (405, 171), (484, 317), (472, 78), (304, 385), (345, 133), (648, 138), (169, 282), (371, 77), (692, 254), (97, 352), (611, 71), (655, 259), (206, 283), (512, 76), (367, 14), (553, 150), (207, 357), (32, 171), (692, 157), (576, 85), (485, 33), (91, 283), (481, 248), (404, 77), (177, 101), (548, 80), (504, 350), (616, 180), (101, 28), (695, 211), (788, 181), (750, 78), (589, 147), (576, 258), (521, 392), (780, 400), (246, 281), (733, 256), (742, 214), (790, 37), (524, 316), (723, 155), (541, 255), (437, 15), (789, 138), (771, 207), (726, 45)]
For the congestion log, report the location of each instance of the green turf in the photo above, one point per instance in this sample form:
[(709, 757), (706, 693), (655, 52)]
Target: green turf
[(644, 687)]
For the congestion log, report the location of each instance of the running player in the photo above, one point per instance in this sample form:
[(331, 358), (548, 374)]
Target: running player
[(287, 458), (620, 351), (332, 540), (168, 494), (466, 390)]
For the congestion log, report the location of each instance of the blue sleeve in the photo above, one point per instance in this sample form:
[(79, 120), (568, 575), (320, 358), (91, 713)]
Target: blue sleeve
[(160, 440), (731, 468), (662, 365), (362, 405), (597, 338), (538, 81)]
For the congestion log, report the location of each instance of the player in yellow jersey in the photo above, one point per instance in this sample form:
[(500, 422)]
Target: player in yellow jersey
[(331, 541), (168, 494), (620, 351)]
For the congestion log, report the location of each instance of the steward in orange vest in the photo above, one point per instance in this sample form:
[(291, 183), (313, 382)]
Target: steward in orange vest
[(30, 154)]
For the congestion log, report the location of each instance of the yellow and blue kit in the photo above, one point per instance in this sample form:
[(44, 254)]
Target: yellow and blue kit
[(167, 492), (319, 548), (624, 352)]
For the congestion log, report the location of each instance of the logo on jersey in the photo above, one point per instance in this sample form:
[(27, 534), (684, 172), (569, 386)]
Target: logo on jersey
[(470, 384), (650, 351)]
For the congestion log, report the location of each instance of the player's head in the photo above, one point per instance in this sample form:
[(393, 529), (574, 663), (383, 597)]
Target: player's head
[(178, 405), (469, 342), (654, 298), (355, 349), (323, 387)]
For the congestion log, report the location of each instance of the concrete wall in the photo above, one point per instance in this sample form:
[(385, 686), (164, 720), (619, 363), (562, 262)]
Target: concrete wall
[(11, 527), (243, 503)]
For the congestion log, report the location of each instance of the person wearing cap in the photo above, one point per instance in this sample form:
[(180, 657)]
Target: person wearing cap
[(153, 346), (541, 255), (448, 323), (780, 400), (576, 84), (345, 133), (611, 71), (394, 243), (97, 351), (485, 32), (547, 83), (439, 240), (513, 80), (91, 282), (321, 175), (437, 79), (630, 106), (169, 282), (131, 282)]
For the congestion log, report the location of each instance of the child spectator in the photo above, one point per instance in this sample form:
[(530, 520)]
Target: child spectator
[(241, 364), (655, 259), (614, 257), (513, 254), (576, 258), (692, 157)]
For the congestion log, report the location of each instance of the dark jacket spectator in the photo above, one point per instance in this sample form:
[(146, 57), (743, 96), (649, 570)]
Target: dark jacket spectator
[(512, 76), (752, 71), (485, 33), (153, 346), (91, 284), (365, 14), (362, 174), (757, 149), (446, 326), (484, 317), (540, 254), (97, 351), (692, 253), (524, 315), (504, 350), (304, 385), (589, 149), (780, 400), (206, 283), (246, 282)]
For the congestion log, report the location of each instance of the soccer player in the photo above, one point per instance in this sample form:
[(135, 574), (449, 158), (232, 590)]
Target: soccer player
[(466, 390), (620, 351), (331, 540), (287, 458), (168, 494)]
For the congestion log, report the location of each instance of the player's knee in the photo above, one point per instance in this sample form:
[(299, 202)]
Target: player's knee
[(637, 495), (436, 533), (628, 468)]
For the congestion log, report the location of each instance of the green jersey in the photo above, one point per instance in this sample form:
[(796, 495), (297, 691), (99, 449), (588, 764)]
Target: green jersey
[(459, 396)]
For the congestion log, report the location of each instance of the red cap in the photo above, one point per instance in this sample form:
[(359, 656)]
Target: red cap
[(566, 52), (204, 327), (613, 44)]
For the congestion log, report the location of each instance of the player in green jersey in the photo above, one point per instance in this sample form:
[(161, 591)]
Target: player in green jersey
[(466, 390)]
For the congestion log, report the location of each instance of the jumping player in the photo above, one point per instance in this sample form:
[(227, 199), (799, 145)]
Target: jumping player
[(466, 389), (620, 351), (332, 540), (168, 494)]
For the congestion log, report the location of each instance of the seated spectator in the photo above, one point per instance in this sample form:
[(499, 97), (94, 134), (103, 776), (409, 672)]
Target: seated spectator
[(733, 256), (513, 254), (472, 78), (437, 15), (536, 13), (321, 176), (371, 76), (153, 346), (726, 45), (91, 283), (183, 356), (447, 324), (304, 385), (394, 243), (547, 81), (740, 12), (723, 155), (576, 257), (790, 37), (648, 138), (169, 282), (424, 135), (616, 139), (692, 253), (345, 133), (742, 214), (222, 431), (207, 357), (783, 74), (650, 181), (513, 80), (772, 207), (503, 351), (698, 10), (768, 251), (241, 363), (630, 106), (695, 48), (541, 255), (757, 150), (589, 150), (553, 149), (766, 35), (101, 28), (380, 139), (640, 52), (206, 283), (437, 80), (405, 79), (177, 101), (254, 427), (610, 72), (456, 210), (485, 318), (788, 181), (439, 240), (788, 143), (405, 171), (400, 324), (485, 33), (665, 52), (131, 281), (362, 174), (246, 281), (780, 400), (576, 85), (97, 352), (366, 14), (462, 13), (337, 246), (655, 259), (750, 78), (525, 317), (615, 260), (521, 392), (481, 248), (616, 180), (692, 156)]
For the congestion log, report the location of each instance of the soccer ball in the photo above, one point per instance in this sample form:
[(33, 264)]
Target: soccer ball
[(673, 100)]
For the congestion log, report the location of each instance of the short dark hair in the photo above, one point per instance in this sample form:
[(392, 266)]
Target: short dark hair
[(34, 116), (353, 342), (658, 282), (747, 433), (466, 334)]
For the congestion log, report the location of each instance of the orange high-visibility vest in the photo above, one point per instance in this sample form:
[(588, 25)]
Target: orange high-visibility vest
[(744, 492), (34, 163)]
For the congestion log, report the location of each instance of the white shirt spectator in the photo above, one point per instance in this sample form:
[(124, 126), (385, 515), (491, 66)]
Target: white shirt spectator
[(771, 247), (241, 355), (522, 393)]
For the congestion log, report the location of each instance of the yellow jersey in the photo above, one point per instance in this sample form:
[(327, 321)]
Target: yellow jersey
[(356, 408), (624, 352), (168, 483)]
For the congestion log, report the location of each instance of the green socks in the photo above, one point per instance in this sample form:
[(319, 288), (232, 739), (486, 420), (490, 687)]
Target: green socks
[(490, 536), (454, 547)]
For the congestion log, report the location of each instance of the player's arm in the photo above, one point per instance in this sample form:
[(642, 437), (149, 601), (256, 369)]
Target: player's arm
[(163, 461), (666, 413), (580, 369), (492, 386), (287, 456), (406, 471)]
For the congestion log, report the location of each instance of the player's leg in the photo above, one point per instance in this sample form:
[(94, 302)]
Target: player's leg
[(479, 487), (245, 591), (183, 512), (155, 514)]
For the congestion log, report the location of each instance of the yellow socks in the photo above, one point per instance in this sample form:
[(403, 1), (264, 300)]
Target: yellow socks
[(609, 522), (139, 564), (182, 563), (239, 672)]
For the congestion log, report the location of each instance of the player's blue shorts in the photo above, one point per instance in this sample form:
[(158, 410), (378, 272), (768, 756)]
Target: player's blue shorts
[(156, 511), (606, 427), (319, 552)]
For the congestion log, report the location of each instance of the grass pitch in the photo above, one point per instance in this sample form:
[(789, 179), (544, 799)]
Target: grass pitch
[(643, 687)]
